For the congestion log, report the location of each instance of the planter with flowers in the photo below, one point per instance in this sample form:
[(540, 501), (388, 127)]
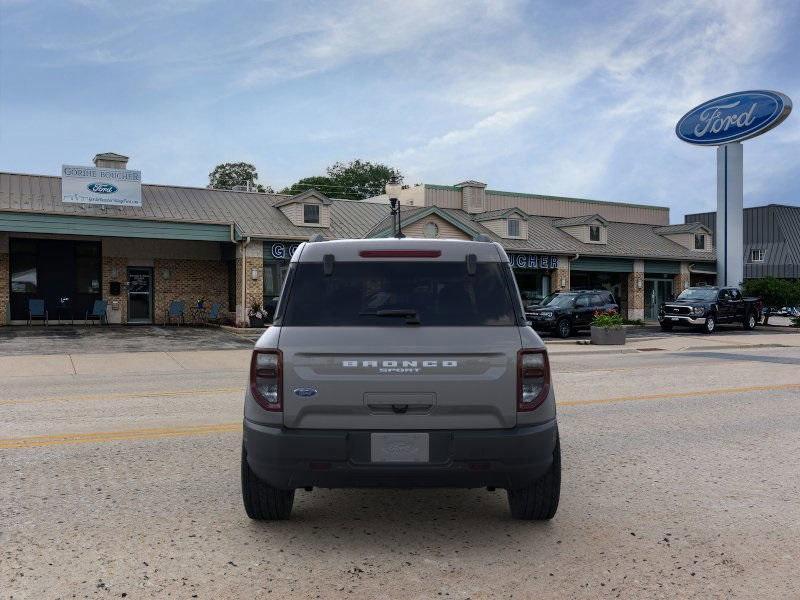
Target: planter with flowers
[(256, 315), (607, 329)]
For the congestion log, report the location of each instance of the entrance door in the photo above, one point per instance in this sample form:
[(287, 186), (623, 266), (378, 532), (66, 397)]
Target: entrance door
[(140, 295), (656, 292)]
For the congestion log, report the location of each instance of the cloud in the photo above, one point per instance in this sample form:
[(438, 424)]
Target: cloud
[(604, 96)]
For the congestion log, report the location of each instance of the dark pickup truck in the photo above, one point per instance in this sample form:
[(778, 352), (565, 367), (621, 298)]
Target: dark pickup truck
[(706, 307)]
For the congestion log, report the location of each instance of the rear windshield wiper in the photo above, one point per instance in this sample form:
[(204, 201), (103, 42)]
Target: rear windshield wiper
[(413, 317)]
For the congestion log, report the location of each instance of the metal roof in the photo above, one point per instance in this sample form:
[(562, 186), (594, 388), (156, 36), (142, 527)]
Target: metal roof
[(773, 228), (253, 213), (682, 228), (582, 220), (500, 213), (632, 240)]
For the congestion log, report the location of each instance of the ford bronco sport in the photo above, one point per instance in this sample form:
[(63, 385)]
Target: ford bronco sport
[(400, 363)]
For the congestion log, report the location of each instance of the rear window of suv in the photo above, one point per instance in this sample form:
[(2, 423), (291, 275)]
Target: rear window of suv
[(383, 293)]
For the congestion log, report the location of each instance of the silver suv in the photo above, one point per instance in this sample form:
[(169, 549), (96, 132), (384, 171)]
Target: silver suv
[(400, 363)]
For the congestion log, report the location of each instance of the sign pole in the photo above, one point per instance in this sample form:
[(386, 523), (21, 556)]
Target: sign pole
[(730, 202)]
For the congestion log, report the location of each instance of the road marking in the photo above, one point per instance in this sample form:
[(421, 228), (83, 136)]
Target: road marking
[(691, 394), (142, 434), (112, 436), (120, 395)]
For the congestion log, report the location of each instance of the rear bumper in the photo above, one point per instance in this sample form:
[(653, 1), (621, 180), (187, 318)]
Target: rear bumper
[(504, 458)]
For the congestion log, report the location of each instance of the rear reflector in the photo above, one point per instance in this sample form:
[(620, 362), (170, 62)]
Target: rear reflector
[(400, 253)]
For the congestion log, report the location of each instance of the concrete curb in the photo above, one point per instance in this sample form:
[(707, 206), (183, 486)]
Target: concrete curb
[(650, 350)]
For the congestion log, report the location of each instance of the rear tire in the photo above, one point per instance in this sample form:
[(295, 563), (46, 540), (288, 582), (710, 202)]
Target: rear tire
[(750, 321), (539, 501), (262, 502), (563, 329)]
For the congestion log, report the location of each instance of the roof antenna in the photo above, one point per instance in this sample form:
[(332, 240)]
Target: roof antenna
[(395, 204)]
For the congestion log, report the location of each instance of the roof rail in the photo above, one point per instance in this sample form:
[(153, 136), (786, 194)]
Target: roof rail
[(317, 237), (482, 237)]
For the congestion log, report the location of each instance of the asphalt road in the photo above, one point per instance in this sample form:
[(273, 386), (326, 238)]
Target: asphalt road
[(681, 479)]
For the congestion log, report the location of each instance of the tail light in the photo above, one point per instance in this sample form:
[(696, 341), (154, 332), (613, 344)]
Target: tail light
[(266, 379), (533, 379)]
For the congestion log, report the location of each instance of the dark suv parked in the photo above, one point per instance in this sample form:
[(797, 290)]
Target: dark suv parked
[(563, 313)]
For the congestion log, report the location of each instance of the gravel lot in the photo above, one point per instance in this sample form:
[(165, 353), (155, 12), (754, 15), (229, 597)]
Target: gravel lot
[(681, 479)]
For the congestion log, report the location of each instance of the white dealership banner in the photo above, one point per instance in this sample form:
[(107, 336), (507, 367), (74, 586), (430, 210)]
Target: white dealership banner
[(95, 185)]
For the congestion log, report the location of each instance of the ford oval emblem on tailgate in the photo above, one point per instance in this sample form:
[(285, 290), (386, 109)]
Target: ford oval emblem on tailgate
[(305, 392)]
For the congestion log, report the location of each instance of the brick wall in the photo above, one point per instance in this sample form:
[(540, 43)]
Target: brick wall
[(253, 257), (116, 269), (189, 280), (559, 278), (681, 281), (636, 291), (4, 288)]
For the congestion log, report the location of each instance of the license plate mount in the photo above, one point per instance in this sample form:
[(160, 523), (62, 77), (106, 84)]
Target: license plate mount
[(400, 447)]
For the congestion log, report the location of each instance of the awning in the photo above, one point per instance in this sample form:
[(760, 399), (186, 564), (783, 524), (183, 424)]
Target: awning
[(113, 227)]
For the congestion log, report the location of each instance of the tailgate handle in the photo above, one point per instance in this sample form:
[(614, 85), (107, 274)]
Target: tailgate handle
[(400, 403)]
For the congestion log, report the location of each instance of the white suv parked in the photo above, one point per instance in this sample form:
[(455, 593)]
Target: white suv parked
[(400, 363)]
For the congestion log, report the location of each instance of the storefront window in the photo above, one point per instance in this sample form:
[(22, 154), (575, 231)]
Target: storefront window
[(23, 270), (87, 268), (276, 263)]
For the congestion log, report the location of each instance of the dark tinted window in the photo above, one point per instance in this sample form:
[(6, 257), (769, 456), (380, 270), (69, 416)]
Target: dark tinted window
[(560, 300), (311, 213), (698, 294), (582, 302), (366, 293), (699, 241), (597, 300), (735, 295)]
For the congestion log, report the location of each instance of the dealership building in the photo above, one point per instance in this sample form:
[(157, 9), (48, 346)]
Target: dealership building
[(771, 239), (69, 247)]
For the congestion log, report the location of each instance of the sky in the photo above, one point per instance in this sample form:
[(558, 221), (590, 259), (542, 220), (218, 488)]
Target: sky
[(574, 99)]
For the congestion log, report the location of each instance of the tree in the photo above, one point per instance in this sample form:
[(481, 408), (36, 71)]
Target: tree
[(228, 175), (354, 180), (318, 182), (774, 292)]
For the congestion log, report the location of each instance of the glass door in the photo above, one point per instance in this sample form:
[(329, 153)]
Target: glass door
[(656, 292), (140, 295)]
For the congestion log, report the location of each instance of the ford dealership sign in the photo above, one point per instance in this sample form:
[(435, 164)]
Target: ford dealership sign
[(95, 185), (102, 188), (733, 117)]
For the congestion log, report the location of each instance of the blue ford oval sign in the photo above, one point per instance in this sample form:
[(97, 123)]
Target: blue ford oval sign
[(733, 117), (101, 188), (305, 392)]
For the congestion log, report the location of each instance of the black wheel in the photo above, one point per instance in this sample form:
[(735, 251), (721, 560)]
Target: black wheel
[(750, 321), (563, 329), (539, 501), (263, 502), (666, 326), (710, 324)]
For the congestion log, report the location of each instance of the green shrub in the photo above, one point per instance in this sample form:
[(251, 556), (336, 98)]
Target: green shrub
[(607, 319)]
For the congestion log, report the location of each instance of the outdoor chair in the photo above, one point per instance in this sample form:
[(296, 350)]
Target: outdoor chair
[(99, 312), (36, 310), (213, 314), (177, 311)]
